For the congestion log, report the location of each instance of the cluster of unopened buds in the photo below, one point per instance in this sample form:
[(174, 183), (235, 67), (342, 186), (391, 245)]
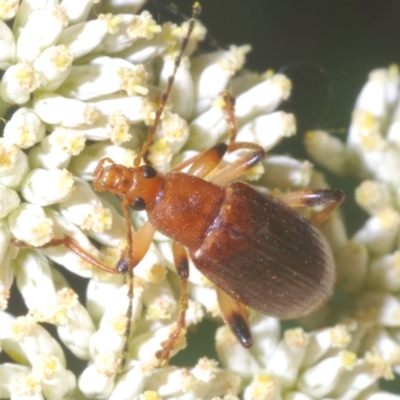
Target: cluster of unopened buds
[(82, 81)]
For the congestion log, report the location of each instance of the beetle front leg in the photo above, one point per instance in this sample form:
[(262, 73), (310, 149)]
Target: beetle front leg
[(331, 198), (182, 267)]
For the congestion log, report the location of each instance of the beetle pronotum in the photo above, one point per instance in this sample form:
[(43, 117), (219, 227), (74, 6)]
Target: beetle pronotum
[(257, 250)]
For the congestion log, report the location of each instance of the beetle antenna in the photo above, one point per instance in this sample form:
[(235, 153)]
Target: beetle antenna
[(195, 14)]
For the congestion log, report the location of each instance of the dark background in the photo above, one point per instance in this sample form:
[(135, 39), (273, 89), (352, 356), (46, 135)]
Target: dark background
[(326, 46)]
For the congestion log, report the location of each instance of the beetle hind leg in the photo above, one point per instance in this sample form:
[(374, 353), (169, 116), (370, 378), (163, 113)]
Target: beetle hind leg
[(182, 266), (234, 314), (330, 198)]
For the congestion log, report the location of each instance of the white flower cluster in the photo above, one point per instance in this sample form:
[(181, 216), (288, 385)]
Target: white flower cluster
[(321, 364), (369, 264), (82, 81)]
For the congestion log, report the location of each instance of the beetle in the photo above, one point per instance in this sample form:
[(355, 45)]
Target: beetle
[(256, 249)]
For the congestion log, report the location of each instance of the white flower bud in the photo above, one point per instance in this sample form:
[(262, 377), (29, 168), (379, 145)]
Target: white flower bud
[(18, 82), (61, 255), (128, 30), (105, 75), (30, 224), (97, 380), (34, 279), (160, 301), (55, 380), (7, 44), (379, 233), (41, 31), (297, 396), (56, 149), (384, 272), (263, 386), (351, 264), (77, 11), (378, 93), (213, 71), (83, 37), (34, 340), (207, 128), (8, 372), (132, 383), (152, 267), (319, 380), (286, 360), (380, 395), (110, 337), (326, 341), (124, 6), (232, 354), (262, 98), (182, 92), (268, 130), (327, 151), (143, 347), (116, 234), (373, 196), (371, 368), (383, 343), (364, 132), (385, 305), (24, 128), (174, 130), (23, 386), (199, 34), (194, 313), (53, 66), (385, 165), (114, 127), (133, 108), (9, 201), (76, 328), (285, 172), (45, 187), (13, 164), (7, 253), (266, 335), (84, 209), (58, 110), (145, 50), (84, 165), (9, 344), (160, 155), (334, 231), (8, 9)]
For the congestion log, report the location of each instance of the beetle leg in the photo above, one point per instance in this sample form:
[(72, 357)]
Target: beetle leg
[(203, 163), (240, 166), (72, 245), (332, 198), (234, 314), (182, 267)]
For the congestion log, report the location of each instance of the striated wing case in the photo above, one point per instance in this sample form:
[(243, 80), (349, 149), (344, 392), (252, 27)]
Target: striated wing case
[(265, 255)]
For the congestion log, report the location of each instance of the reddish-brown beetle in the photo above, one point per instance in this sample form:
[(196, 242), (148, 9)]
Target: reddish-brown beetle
[(257, 250)]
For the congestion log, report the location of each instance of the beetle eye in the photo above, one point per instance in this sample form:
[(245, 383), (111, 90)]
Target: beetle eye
[(139, 204), (148, 171)]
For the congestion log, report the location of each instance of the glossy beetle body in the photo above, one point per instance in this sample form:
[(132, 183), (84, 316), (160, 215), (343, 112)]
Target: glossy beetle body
[(251, 245)]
